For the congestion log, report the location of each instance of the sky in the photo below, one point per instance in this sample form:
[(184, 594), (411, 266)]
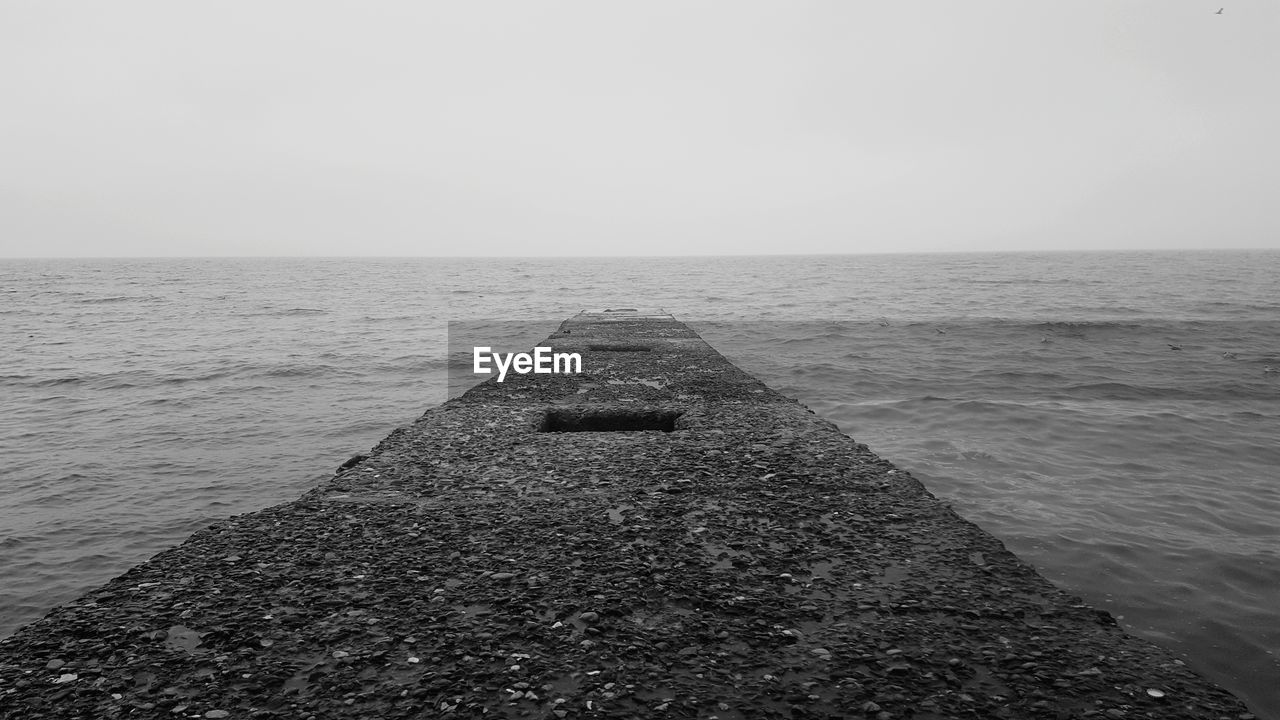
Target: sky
[(662, 127)]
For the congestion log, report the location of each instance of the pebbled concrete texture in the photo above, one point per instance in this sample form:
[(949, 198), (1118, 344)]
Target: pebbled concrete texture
[(498, 558)]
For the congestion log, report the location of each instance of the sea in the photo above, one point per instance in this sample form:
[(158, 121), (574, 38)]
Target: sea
[(1113, 417)]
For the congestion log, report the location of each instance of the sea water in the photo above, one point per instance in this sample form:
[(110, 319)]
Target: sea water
[(1112, 417)]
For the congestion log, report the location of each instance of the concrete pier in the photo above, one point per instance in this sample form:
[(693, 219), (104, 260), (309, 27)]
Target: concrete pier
[(659, 536)]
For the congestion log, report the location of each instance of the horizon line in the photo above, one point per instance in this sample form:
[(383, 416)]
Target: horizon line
[(1109, 251)]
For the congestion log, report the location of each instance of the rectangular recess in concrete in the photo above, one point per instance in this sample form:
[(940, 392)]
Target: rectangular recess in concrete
[(608, 420)]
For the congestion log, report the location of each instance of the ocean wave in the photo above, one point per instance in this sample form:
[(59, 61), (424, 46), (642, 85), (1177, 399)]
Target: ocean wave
[(163, 401), (1118, 391), (52, 382), (1071, 327), (114, 299), (1040, 378), (291, 371), (272, 311), (390, 318), (203, 377), (1032, 281)]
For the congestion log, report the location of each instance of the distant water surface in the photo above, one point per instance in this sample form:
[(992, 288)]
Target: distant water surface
[(1111, 416)]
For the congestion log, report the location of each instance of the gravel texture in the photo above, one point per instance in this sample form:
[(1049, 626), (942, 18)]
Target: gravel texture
[(494, 559)]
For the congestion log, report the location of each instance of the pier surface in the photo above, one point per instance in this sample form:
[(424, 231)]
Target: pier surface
[(659, 536)]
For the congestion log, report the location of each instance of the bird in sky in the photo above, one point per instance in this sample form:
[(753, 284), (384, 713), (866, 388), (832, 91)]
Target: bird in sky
[(1219, 11)]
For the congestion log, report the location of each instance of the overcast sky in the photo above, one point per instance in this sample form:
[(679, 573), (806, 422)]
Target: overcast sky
[(636, 128)]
